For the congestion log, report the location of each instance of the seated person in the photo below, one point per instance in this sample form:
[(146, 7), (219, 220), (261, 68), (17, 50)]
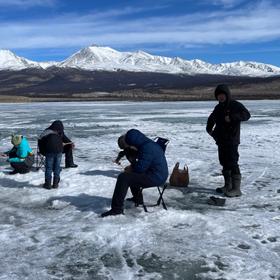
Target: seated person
[(68, 145), (20, 156), (149, 170)]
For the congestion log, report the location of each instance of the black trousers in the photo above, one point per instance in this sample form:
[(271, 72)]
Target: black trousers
[(125, 180), (24, 166), (68, 151), (228, 157)]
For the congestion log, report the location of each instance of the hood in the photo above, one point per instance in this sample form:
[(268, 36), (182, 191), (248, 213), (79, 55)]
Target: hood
[(16, 139), (47, 132), (57, 126), (223, 89), (135, 138)]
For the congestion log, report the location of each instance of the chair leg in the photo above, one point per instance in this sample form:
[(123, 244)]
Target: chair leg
[(160, 199), (145, 208)]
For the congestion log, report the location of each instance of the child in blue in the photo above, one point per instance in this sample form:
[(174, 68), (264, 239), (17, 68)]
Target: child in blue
[(20, 156), (51, 142)]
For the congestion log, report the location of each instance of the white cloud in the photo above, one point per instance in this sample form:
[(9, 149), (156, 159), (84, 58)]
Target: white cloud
[(26, 3), (228, 3), (254, 24)]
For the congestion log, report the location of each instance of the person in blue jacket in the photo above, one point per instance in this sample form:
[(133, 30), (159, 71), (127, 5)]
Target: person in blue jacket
[(150, 169), (20, 156)]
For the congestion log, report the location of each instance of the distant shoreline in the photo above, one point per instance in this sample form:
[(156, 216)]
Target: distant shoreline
[(165, 98)]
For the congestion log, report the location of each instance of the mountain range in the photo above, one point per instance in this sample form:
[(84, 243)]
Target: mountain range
[(102, 73), (96, 58)]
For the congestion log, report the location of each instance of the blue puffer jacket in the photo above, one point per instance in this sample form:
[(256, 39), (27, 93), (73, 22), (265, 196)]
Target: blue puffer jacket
[(151, 158), (22, 151)]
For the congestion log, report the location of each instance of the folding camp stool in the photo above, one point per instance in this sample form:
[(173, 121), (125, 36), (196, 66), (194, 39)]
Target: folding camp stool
[(39, 160), (160, 198)]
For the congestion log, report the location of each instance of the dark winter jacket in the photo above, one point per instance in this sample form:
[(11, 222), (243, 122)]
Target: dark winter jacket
[(151, 159), (58, 126), (51, 140), (226, 132)]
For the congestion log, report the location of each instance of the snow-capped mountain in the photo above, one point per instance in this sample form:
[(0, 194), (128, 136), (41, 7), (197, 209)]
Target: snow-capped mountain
[(95, 58), (47, 64), (10, 61)]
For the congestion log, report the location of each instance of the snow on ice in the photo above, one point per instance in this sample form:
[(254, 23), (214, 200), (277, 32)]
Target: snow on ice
[(57, 234)]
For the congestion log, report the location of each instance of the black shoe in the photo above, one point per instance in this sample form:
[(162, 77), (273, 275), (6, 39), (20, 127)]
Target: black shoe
[(135, 200), (71, 166), (47, 186), (219, 190), (111, 213), (13, 172), (216, 201)]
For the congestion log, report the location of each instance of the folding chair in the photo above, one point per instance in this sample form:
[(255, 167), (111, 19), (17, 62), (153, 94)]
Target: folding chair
[(159, 201), (39, 159), (163, 143)]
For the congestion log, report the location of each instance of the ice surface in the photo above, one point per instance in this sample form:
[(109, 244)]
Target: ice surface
[(57, 234)]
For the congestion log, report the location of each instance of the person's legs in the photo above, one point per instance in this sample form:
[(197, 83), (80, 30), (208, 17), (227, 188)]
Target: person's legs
[(24, 166), (235, 172), (124, 181), (56, 170), (224, 159), (49, 163), (137, 196), (19, 167), (69, 162)]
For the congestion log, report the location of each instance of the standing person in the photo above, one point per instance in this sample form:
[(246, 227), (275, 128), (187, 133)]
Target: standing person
[(150, 169), (51, 145), (68, 146), (224, 126), (20, 156)]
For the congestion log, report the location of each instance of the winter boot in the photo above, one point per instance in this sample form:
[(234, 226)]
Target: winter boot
[(55, 182), (228, 182), (112, 212), (236, 182), (137, 200), (47, 185)]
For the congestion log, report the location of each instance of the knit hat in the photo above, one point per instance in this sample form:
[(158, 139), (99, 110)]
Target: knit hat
[(16, 139), (121, 142)]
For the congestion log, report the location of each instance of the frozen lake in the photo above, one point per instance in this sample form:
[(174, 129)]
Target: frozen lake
[(57, 234)]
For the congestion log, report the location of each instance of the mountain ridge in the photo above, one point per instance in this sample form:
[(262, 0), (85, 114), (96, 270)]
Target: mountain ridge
[(97, 58)]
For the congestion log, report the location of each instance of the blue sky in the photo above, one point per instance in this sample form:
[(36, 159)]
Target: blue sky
[(215, 30)]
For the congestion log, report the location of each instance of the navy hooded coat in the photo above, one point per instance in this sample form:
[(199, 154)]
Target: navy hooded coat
[(151, 159)]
